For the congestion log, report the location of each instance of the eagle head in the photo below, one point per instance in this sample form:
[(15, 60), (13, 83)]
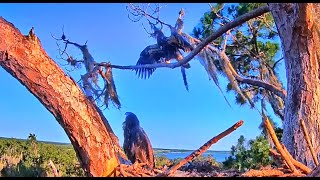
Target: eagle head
[(131, 121)]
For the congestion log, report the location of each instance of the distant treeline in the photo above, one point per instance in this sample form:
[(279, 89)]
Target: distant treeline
[(30, 158), (156, 150)]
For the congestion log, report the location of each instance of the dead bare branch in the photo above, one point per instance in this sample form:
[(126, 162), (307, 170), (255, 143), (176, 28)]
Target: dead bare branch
[(138, 13), (238, 21), (307, 138), (202, 149), (201, 45), (277, 157), (277, 144), (296, 163), (224, 47), (277, 90)]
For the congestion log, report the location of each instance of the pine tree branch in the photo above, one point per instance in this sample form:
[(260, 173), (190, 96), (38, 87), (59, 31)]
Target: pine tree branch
[(238, 21), (278, 91), (202, 44)]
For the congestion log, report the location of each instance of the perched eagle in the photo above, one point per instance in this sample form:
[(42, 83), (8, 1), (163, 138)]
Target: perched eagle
[(172, 44), (136, 143), (166, 49)]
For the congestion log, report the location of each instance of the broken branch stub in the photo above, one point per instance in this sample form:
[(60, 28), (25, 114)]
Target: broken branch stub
[(277, 144), (202, 149)]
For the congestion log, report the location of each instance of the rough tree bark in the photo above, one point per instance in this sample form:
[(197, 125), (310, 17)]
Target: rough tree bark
[(25, 59), (298, 29)]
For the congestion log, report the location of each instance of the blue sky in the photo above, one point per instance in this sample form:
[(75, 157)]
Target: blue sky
[(171, 116)]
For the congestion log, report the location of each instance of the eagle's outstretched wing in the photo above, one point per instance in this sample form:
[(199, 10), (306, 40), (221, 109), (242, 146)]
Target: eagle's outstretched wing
[(150, 55)]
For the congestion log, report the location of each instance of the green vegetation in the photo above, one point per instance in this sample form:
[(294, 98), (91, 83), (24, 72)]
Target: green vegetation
[(30, 158), (252, 48), (200, 164), (253, 156)]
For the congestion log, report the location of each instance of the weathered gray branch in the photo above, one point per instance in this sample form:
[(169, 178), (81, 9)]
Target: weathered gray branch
[(277, 90), (238, 21)]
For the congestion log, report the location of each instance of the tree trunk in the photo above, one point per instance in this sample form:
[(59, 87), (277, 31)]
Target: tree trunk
[(25, 59), (298, 29)]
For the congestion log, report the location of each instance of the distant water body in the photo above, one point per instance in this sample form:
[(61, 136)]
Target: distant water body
[(219, 156)]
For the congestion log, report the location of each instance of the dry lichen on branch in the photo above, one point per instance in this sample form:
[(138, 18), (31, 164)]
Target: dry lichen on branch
[(108, 92), (138, 13), (93, 68)]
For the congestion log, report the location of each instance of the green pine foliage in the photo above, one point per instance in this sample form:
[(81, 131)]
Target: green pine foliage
[(253, 155), (252, 48)]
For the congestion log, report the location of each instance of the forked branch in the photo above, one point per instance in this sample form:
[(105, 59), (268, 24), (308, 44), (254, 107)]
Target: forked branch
[(237, 21)]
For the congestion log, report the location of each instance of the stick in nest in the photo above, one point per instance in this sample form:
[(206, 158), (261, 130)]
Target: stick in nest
[(202, 149), (298, 164), (306, 136), (278, 145)]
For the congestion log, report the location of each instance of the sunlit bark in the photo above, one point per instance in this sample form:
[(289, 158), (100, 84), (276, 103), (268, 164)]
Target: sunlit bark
[(25, 59)]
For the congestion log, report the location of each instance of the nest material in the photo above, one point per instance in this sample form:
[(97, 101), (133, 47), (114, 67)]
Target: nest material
[(110, 93)]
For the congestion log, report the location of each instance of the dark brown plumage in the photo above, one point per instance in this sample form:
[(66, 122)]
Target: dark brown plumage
[(172, 44), (150, 55), (166, 49), (136, 143)]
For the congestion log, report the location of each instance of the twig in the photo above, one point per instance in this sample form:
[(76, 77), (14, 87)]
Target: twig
[(123, 173), (298, 164), (202, 149), (278, 145), (238, 21), (274, 65), (307, 138), (137, 11), (225, 41), (278, 156)]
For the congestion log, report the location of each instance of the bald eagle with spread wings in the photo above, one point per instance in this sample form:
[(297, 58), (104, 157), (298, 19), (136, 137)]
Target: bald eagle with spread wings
[(166, 49), (136, 143)]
